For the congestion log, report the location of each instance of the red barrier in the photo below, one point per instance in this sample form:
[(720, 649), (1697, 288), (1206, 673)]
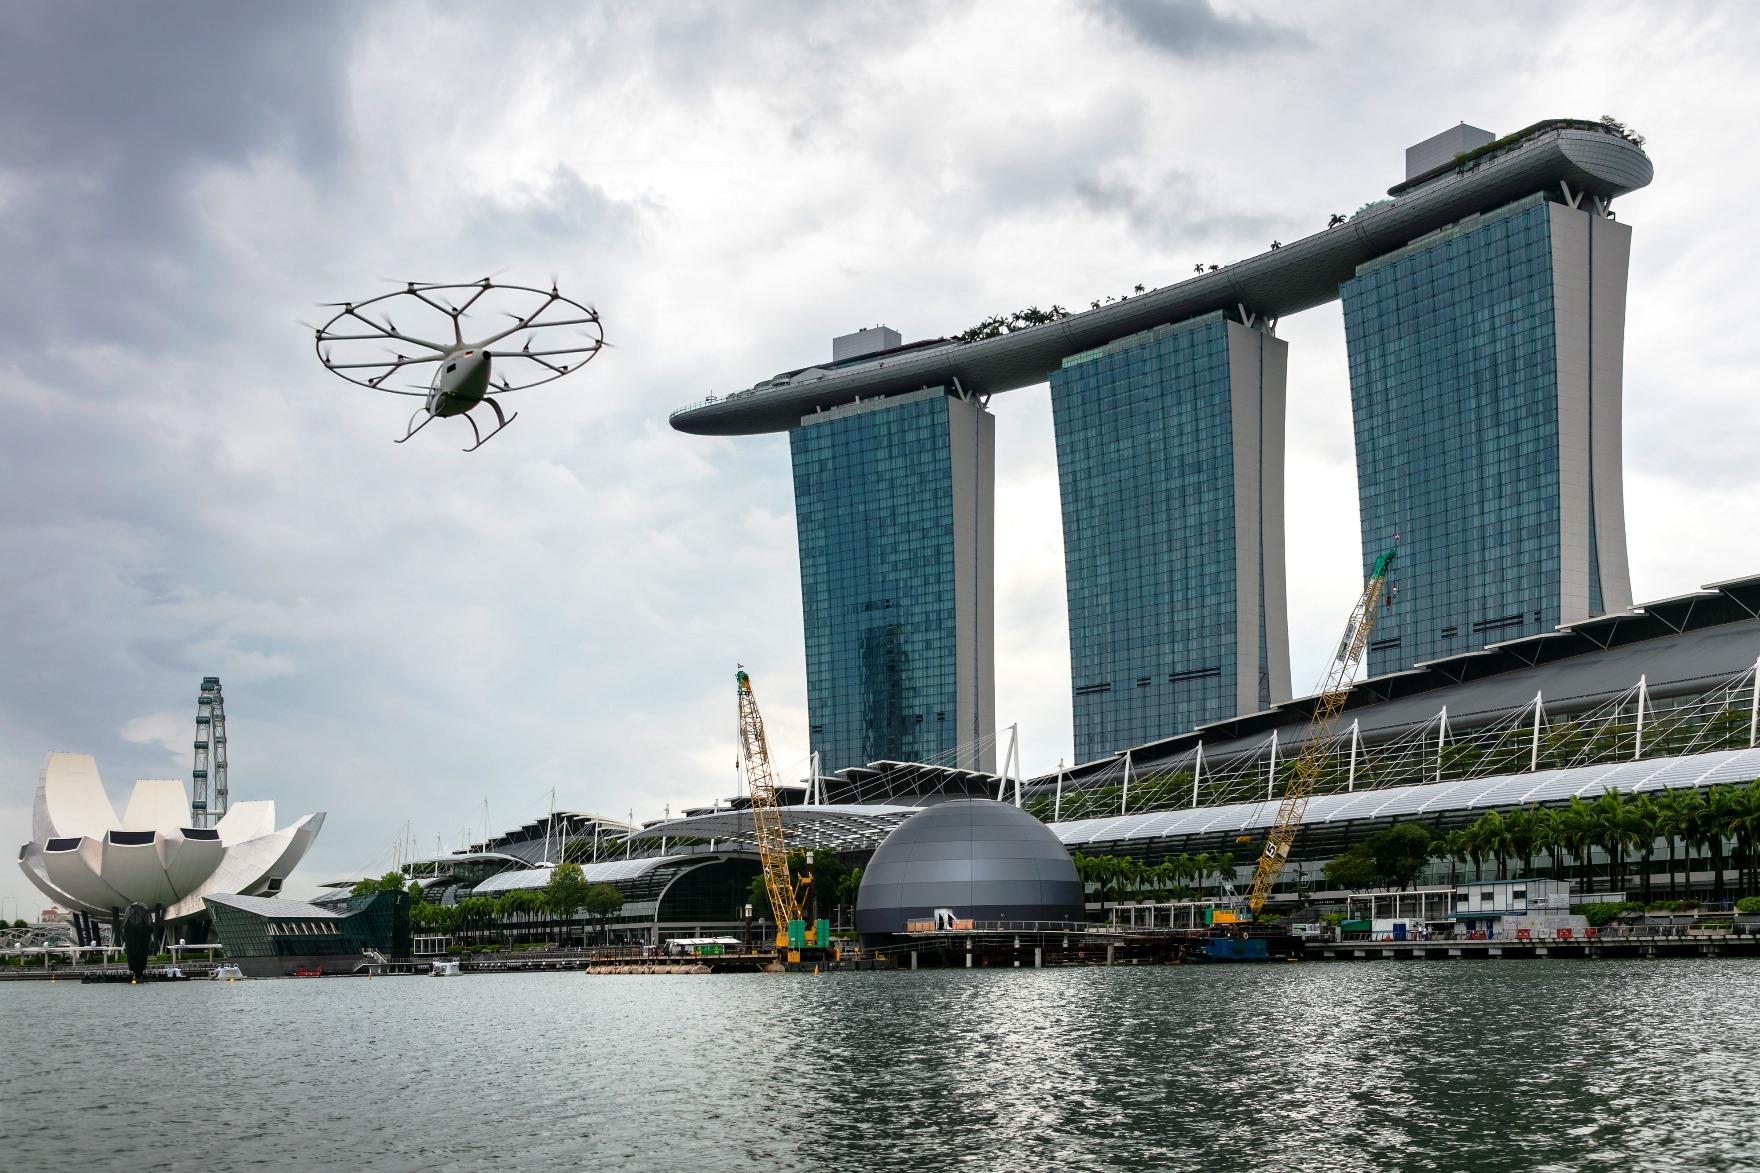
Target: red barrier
[(1565, 934), (1523, 934)]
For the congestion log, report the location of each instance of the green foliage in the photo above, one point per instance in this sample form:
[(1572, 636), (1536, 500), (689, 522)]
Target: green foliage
[(566, 890), (1115, 877), (19, 924), (389, 882), (602, 900), (1000, 324), (1355, 869), (1606, 913), (1391, 858), (758, 896), (830, 881), (1748, 904), (1400, 853)]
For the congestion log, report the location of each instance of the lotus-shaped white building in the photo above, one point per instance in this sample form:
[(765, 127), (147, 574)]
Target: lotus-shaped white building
[(87, 860)]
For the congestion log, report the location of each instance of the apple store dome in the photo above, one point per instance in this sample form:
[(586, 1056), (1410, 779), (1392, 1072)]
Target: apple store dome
[(982, 860)]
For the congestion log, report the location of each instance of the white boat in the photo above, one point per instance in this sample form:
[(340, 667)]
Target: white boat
[(445, 969), (228, 973)]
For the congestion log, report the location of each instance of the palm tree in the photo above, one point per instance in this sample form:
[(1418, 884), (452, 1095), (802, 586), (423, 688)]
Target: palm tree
[(1523, 829), (1645, 816), (1613, 834), (1494, 841), (1747, 826), (1673, 817), (1546, 838), (1452, 846), (1692, 831), (1576, 831), (1722, 816)]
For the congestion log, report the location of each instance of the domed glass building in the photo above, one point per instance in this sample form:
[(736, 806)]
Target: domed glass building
[(977, 859)]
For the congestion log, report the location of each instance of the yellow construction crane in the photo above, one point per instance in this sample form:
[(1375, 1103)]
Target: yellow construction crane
[(1306, 767), (786, 893)]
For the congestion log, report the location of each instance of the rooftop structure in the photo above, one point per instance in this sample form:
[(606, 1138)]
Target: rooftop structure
[(543, 839), (1590, 158)]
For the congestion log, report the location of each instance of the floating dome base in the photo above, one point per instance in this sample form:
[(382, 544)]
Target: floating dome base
[(984, 861)]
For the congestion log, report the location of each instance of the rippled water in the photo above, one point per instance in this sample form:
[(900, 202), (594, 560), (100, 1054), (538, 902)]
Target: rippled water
[(1468, 1065)]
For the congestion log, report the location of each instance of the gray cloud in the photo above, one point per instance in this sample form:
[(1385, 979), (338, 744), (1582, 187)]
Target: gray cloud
[(108, 115), (1174, 211), (1193, 29)]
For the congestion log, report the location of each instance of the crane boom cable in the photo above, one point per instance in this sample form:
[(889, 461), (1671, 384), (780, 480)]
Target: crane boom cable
[(784, 891), (1304, 770)]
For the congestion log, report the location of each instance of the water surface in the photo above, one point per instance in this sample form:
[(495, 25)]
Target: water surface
[(1531, 1065)]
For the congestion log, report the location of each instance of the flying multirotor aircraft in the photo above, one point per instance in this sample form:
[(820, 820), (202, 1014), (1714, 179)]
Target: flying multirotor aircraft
[(465, 371)]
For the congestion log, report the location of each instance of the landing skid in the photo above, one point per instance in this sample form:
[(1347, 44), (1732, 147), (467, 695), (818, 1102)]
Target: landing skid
[(427, 417), (501, 421), (415, 427)]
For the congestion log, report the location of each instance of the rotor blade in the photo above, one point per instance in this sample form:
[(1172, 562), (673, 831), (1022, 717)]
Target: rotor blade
[(357, 366), (535, 353), (390, 331), (558, 322)]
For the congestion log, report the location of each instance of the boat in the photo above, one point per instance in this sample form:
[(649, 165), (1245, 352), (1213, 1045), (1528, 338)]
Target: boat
[(445, 969), (303, 972), (228, 973)]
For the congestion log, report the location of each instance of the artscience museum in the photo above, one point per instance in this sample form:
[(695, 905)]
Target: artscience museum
[(86, 859)]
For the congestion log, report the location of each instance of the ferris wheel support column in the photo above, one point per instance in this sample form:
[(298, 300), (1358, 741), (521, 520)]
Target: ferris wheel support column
[(209, 797)]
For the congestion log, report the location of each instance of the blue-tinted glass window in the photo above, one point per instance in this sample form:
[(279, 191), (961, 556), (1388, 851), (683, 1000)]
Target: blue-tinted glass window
[(1145, 458), (874, 511), (1454, 390)]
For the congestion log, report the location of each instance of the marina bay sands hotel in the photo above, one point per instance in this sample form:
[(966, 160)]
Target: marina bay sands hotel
[(1484, 310)]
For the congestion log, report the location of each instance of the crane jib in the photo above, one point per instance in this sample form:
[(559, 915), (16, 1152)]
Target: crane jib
[(783, 890), (1304, 771)]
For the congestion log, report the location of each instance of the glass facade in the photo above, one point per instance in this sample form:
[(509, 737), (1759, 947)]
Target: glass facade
[(1475, 431), (893, 512), (1169, 457), (251, 926)]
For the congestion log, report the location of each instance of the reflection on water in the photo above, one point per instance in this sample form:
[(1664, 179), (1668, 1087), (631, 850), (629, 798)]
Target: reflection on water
[(1471, 1065)]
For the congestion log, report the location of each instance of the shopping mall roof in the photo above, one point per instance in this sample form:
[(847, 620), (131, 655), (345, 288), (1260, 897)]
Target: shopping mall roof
[(1420, 802), (838, 827), (1587, 158), (593, 873), (863, 828), (1679, 645)]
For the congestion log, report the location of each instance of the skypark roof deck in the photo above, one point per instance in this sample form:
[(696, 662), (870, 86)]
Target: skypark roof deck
[(1579, 160)]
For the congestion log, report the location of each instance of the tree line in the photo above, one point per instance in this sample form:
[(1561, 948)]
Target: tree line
[(1667, 830), (1720, 825), (1178, 877), (547, 910)]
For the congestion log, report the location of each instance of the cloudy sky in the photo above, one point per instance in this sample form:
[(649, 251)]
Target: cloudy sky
[(406, 632)]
